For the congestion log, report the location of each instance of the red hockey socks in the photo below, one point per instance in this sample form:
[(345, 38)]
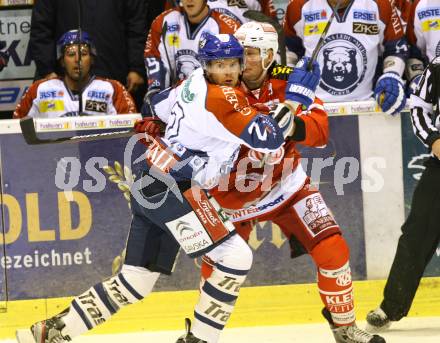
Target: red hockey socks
[(334, 278)]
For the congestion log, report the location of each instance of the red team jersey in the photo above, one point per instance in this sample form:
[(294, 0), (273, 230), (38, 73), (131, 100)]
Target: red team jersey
[(271, 192)]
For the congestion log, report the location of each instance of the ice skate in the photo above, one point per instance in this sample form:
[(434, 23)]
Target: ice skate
[(49, 331), (377, 320), (351, 333), (189, 337)]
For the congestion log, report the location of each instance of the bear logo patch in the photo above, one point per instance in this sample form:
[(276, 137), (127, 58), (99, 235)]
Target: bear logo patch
[(343, 60)]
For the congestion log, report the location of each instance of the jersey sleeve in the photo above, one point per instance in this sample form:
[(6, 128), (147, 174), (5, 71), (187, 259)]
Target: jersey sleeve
[(268, 8), (226, 24), (26, 107), (255, 130), (394, 41), (158, 73), (162, 103), (422, 108), (293, 16), (312, 128), (122, 100)]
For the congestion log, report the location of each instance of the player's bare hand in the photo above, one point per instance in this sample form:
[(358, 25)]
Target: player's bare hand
[(436, 148), (134, 80)]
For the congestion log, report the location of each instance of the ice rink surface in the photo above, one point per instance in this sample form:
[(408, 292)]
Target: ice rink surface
[(408, 330)]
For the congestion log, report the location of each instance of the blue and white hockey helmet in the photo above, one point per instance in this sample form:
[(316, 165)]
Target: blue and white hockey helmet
[(74, 37), (220, 46)]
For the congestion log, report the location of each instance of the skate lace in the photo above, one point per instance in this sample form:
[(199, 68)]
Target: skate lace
[(358, 335)]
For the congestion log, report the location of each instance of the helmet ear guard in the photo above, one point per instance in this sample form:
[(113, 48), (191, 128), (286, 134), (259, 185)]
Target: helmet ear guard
[(259, 35)]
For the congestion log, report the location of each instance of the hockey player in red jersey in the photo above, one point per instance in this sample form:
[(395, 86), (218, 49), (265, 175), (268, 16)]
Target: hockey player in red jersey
[(282, 192)]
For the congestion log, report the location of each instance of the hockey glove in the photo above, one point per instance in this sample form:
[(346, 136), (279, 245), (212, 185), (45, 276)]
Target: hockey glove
[(302, 83), (390, 93), (285, 119), (151, 127), (413, 85)]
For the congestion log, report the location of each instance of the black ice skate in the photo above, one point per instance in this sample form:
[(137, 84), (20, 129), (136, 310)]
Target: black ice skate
[(377, 320), (49, 330), (189, 337), (351, 333)]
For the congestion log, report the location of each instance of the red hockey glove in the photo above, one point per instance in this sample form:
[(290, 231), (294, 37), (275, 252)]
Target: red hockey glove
[(151, 126)]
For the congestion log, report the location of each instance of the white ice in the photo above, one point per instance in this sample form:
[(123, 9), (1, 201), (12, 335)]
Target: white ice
[(408, 330)]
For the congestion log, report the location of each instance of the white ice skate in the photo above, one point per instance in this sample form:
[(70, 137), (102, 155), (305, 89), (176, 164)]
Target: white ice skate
[(189, 337), (46, 331), (351, 333)]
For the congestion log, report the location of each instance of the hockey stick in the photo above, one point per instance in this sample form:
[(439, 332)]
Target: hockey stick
[(323, 36), (31, 138), (261, 17), (163, 35), (80, 86)]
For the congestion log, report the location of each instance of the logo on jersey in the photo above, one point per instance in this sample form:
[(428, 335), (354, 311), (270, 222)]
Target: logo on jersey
[(51, 94), (315, 214), (344, 62), (96, 106), (368, 29), (428, 13), (98, 95), (228, 13), (315, 16), (237, 3), (187, 95), (314, 29), (51, 106), (186, 63), (173, 40), (364, 15), (271, 158), (173, 27), (431, 25)]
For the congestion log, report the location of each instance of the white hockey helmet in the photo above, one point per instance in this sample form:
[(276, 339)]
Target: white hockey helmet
[(258, 35)]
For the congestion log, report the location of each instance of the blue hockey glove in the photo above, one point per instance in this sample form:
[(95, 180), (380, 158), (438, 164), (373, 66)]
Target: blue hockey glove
[(302, 83), (413, 85), (390, 93)]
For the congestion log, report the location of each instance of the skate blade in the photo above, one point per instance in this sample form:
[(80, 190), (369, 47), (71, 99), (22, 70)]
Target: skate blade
[(24, 336)]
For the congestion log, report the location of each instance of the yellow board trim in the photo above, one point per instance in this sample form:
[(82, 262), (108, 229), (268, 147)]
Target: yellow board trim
[(256, 306)]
